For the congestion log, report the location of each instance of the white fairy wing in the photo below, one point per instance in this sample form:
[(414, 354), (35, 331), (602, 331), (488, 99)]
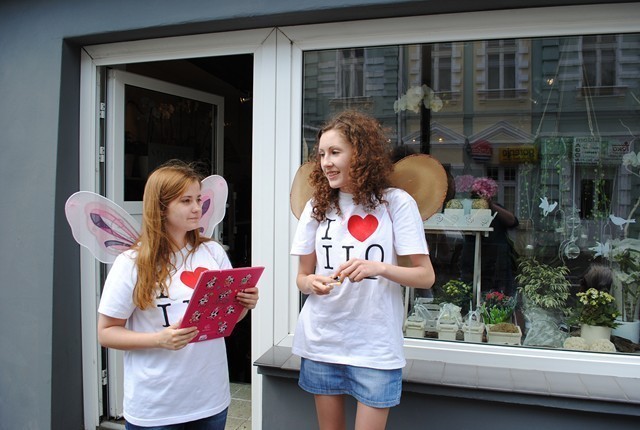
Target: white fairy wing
[(214, 193), (100, 225)]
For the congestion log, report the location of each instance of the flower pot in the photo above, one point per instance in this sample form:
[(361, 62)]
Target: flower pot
[(629, 330), (447, 331), (414, 326), (473, 333), (501, 338), (594, 332)]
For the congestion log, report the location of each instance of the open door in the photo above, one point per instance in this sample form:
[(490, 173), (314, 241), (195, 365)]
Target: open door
[(149, 122)]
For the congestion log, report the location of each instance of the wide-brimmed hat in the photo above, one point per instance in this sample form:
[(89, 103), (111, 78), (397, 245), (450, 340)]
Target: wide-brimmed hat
[(420, 175)]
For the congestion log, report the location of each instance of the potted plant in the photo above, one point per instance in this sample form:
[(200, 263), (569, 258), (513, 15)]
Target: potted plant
[(504, 333), (457, 292), (497, 307), (544, 290), (596, 312), (625, 255)]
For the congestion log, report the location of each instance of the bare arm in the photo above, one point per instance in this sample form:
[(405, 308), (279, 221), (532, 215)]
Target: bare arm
[(421, 275), (112, 333)]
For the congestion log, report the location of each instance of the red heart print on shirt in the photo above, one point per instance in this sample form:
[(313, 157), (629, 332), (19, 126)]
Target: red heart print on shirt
[(190, 279), (362, 228)]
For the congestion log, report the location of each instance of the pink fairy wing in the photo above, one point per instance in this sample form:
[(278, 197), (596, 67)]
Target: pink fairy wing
[(214, 192), (100, 225)]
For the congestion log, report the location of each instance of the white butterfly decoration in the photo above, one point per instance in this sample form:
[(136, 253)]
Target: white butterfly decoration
[(547, 207), (105, 229), (601, 249), (620, 222)]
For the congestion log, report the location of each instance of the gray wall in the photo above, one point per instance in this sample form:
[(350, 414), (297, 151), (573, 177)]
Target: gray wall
[(40, 41), (437, 407)]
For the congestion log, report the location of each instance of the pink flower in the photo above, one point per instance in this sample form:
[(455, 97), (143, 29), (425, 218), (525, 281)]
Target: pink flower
[(464, 183), (485, 188)]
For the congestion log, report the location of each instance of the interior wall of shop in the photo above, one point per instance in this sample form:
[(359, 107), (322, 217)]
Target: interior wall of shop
[(434, 407), (40, 41)]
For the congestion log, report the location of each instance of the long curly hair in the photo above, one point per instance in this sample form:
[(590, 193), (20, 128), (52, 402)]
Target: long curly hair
[(155, 247), (370, 169)]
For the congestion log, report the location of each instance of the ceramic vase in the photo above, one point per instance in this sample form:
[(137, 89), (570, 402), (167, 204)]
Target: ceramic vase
[(594, 332)]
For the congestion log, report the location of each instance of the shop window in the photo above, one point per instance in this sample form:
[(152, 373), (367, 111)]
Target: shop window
[(566, 167)]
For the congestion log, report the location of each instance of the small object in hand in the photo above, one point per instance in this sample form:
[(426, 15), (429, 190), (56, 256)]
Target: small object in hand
[(337, 281)]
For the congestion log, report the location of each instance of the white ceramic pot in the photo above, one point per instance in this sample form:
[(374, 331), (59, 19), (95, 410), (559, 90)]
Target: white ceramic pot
[(594, 332), (629, 330)]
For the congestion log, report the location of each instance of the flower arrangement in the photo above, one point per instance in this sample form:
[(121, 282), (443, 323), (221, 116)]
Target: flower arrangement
[(485, 188), (497, 307), (457, 292), (464, 183), (597, 308), (415, 96)]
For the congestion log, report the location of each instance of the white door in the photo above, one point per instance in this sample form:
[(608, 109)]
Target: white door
[(150, 122)]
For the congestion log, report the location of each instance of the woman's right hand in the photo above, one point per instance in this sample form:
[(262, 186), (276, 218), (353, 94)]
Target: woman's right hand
[(320, 285), (175, 338)]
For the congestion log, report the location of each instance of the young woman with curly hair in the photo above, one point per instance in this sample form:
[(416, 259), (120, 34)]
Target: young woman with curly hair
[(349, 332)]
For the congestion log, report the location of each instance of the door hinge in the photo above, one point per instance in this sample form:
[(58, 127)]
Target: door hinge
[(103, 377), (103, 108), (101, 153)]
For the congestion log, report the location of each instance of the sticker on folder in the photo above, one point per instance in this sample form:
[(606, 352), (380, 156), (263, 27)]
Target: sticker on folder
[(213, 307)]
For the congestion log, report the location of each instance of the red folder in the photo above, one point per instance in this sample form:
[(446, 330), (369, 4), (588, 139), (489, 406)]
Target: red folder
[(213, 307)]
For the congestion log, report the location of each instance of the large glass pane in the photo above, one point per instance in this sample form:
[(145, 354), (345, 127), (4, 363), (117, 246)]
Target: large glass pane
[(553, 123)]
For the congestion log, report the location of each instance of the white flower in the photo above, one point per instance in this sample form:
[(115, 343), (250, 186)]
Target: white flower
[(415, 96), (602, 345), (631, 159), (576, 343)]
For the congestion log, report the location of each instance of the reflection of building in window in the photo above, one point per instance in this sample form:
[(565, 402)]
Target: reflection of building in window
[(350, 82), (599, 64), (506, 178), (502, 67), (595, 198), (441, 58)]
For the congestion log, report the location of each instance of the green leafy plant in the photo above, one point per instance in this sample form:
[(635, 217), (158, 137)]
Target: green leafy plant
[(626, 269), (456, 292), (497, 307), (596, 308), (542, 285)]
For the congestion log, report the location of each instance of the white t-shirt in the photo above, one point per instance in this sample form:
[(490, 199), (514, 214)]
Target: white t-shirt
[(163, 387), (359, 323)]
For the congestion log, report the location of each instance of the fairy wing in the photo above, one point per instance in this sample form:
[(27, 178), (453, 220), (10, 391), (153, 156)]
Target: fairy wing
[(100, 225), (214, 193)]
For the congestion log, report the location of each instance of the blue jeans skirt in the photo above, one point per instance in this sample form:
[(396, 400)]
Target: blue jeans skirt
[(377, 388)]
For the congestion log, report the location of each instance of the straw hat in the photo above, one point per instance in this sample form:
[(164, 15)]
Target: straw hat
[(420, 175)]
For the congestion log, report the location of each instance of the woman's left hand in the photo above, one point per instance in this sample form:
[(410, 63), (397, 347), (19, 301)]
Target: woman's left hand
[(248, 297), (356, 269)]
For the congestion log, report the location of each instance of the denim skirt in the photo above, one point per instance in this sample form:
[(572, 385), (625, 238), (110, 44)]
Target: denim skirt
[(377, 388)]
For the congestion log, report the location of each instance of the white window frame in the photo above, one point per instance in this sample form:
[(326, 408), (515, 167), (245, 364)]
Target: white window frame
[(591, 19), (277, 151)]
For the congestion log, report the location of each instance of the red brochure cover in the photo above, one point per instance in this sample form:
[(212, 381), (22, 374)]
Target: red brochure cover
[(213, 307)]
